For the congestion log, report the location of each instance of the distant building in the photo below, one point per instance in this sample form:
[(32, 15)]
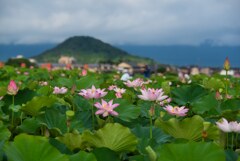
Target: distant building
[(66, 60), (47, 66), (19, 56), (206, 71), (230, 72), (1, 64), (194, 71), (131, 67)]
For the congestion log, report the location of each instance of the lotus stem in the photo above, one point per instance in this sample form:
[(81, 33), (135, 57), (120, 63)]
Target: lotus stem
[(227, 141), (150, 126), (236, 140), (93, 114), (12, 109), (21, 117), (226, 89), (232, 140)]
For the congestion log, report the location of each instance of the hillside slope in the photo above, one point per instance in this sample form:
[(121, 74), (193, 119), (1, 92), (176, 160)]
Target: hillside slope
[(88, 50)]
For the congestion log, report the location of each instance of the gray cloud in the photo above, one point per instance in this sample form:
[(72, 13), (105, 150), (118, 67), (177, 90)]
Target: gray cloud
[(121, 21)]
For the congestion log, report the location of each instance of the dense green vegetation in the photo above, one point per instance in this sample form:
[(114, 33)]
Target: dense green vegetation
[(40, 122), (88, 50)]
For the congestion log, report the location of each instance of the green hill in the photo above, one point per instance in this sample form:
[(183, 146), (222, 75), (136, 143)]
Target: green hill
[(88, 50)]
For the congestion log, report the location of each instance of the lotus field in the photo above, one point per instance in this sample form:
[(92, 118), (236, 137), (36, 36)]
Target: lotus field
[(74, 115)]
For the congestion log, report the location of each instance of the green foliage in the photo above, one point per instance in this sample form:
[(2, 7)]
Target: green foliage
[(83, 156), (113, 136), (34, 106), (4, 132), (126, 110), (17, 62), (72, 141), (187, 94), (191, 151), (188, 128), (32, 148), (54, 119), (213, 84)]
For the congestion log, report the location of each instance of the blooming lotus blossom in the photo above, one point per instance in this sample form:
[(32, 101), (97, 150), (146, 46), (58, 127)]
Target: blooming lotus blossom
[(61, 90), (178, 111), (106, 108), (135, 83), (42, 83), (151, 94), (234, 126), (119, 92), (223, 125), (112, 87), (12, 88), (92, 93), (166, 101)]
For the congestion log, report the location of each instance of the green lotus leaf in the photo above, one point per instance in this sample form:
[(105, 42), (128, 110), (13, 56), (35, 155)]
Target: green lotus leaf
[(29, 125), (72, 141), (53, 119), (213, 83), (4, 132), (126, 110), (105, 154), (231, 104), (83, 156), (113, 136), (187, 94), (189, 128), (192, 151), (34, 106), (64, 82), (88, 81), (166, 87), (32, 148), (205, 104)]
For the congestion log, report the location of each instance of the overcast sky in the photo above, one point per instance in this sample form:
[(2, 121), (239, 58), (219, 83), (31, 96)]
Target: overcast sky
[(156, 22)]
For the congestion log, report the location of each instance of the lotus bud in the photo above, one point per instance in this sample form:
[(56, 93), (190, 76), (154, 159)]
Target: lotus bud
[(226, 65), (151, 153), (218, 96), (220, 90), (84, 72), (12, 88)]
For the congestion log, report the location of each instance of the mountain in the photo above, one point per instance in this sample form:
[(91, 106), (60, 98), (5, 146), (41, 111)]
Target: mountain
[(88, 50), (187, 55)]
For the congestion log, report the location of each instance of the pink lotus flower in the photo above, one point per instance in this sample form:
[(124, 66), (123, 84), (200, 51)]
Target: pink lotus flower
[(106, 108), (92, 93), (178, 111), (119, 92), (234, 126), (42, 83), (12, 88), (151, 94), (135, 83), (61, 90), (84, 72), (223, 125), (112, 87), (166, 101)]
